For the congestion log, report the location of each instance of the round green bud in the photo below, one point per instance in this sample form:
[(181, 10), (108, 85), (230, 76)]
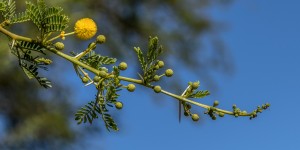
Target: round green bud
[(102, 74), (216, 103), (156, 78), (157, 89), (195, 85), (169, 72), (156, 67), (119, 105), (221, 114), (234, 106), (85, 79), (160, 64), (236, 115), (59, 46), (130, 87), (213, 117), (96, 78), (100, 39), (122, 66), (195, 117)]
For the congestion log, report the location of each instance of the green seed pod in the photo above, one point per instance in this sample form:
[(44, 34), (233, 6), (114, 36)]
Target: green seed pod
[(195, 85), (122, 66), (85, 79), (97, 79), (169, 72), (130, 87), (156, 78), (160, 64), (216, 103), (102, 74), (195, 117), (221, 114), (119, 105), (59, 46), (101, 39), (157, 89)]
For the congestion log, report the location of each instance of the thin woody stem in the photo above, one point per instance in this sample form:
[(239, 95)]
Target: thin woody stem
[(75, 60), (60, 36), (14, 36)]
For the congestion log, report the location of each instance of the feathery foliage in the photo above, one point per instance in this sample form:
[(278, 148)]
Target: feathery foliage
[(46, 19), (199, 94), (96, 60)]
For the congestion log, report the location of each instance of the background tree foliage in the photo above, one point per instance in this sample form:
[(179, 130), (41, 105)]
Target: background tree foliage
[(183, 26)]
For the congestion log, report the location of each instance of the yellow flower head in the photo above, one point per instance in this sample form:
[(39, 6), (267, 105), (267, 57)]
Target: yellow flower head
[(85, 28)]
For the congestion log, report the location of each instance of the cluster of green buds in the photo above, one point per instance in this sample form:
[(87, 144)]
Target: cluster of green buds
[(189, 93), (259, 110)]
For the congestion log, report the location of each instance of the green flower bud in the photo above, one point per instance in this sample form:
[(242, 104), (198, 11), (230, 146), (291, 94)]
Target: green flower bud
[(59, 46), (122, 66), (169, 72), (216, 103), (233, 106), (97, 79), (156, 67), (213, 117), (100, 39), (157, 89), (160, 64), (119, 105), (85, 79), (102, 74), (130, 87), (221, 114), (195, 117), (156, 78), (195, 85)]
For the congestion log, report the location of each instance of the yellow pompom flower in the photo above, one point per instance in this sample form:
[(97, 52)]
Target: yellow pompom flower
[(85, 28)]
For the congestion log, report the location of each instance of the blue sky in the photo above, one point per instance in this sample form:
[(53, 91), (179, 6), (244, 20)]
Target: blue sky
[(263, 38)]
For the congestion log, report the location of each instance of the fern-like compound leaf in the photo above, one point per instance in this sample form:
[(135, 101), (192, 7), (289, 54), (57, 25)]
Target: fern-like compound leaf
[(19, 18), (141, 58), (199, 94), (31, 72), (96, 61)]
